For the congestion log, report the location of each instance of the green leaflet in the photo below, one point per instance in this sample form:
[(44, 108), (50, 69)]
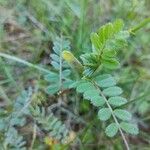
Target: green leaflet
[(66, 84), (129, 128), (111, 130), (52, 89), (55, 64), (109, 53), (97, 101), (104, 114), (82, 87), (66, 72), (55, 57), (96, 41), (122, 114), (112, 91), (118, 25), (105, 32), (74, 85), (101, 77), (90, 94), (117, 101), (110, 63), (51, 77), (105, 81)]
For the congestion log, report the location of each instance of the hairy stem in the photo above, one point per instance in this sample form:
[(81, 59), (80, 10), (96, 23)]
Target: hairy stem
[(114, 117)]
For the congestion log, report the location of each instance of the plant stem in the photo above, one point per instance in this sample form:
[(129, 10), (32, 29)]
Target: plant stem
[(140, 25), (23, 62), (33, 136), (60, 65), (114, 117)]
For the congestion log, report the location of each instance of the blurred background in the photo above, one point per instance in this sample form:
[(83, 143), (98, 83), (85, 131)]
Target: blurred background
[(28, 30)]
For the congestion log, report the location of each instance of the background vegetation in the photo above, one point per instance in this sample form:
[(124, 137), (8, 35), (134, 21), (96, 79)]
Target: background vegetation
[(32, 116)]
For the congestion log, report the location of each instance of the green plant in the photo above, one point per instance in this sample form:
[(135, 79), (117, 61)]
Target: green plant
[(34, 37), (59, 78), (97, 84), (11, 119), (16, 118), (48, 122)]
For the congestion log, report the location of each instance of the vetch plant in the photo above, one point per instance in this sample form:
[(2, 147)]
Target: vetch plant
[(92, 78), (96, 82)]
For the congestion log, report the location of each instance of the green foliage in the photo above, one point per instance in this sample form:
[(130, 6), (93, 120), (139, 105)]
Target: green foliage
[(48, 122), (28, 36), (59, 79), (104, 54), (101, 90), (13, 140), (17, 118), (10, 120), (108, 96)]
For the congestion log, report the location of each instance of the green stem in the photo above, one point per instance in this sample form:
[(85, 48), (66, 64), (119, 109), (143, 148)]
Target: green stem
[(140, 25), (23, 62)]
